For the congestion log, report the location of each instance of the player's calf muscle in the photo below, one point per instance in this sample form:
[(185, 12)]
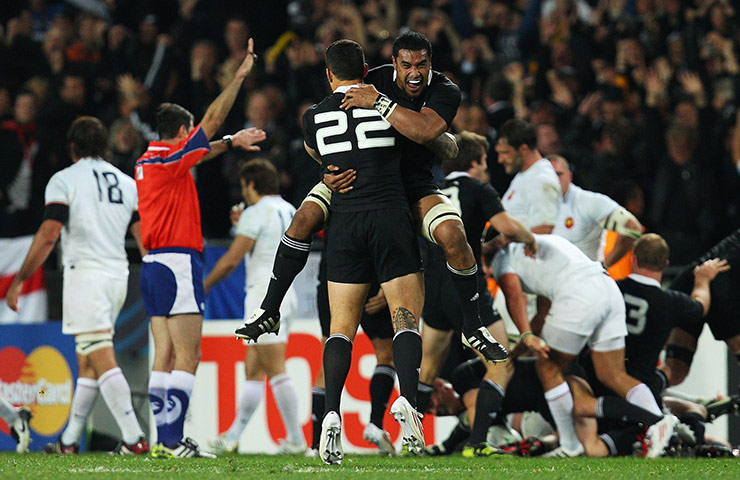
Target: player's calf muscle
[(308, 220)]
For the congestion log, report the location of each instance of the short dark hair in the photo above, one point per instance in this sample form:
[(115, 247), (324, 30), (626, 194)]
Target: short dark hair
[(170, 117), (413, 41), (517, 133), (264, 175), (652, 252), (87, 137), (471, 147), (345, 59)]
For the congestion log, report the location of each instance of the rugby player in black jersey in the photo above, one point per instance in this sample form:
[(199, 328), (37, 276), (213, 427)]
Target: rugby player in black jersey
[(370, 235), (420, 103), (723, 317), (467, 187)]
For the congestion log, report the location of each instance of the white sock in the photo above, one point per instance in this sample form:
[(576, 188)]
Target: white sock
[(8, 412), (641, 396), (560, 401), (158, 382), (287, 400), (82, 403), (249, 400), (117, 395)]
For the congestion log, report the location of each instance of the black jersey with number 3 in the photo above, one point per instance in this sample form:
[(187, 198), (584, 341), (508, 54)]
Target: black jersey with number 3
[(360, 139), (652, 312), (441, 95)]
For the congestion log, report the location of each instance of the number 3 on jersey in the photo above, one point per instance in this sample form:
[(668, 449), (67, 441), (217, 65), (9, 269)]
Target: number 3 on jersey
[(637, 309), (341, 126)]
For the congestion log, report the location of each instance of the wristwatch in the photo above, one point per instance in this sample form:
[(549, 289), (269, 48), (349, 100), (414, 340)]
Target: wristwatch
[(228, 140)]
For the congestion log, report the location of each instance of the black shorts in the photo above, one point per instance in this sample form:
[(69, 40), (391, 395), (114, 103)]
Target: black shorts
[(441, 305), (724, 313), (371, 244), (378, 325), (418, 186)]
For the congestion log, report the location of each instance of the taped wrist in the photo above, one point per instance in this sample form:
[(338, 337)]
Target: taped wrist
[(384, 106)]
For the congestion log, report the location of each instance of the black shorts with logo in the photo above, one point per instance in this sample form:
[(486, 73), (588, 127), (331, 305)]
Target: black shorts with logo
[(441, 305), (370, 244)]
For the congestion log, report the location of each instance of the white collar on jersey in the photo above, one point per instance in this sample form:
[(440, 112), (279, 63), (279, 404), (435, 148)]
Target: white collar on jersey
[(644, 280), (454, 175), (344, 88), (429, 79)]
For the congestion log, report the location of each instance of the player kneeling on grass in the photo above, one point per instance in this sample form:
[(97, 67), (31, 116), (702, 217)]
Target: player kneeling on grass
[(92, 205), (258, 234)]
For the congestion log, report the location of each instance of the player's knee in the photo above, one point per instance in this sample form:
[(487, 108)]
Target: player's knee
[(450, 236)]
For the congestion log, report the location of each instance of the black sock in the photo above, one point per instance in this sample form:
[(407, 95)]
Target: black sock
[(466, 284), (337, 359), (317, 414), (458, 435), (487, 406), (290, 259), (423, 396), (620, 441), (696, 424), (381, 386), (615, 408), (407, 358)]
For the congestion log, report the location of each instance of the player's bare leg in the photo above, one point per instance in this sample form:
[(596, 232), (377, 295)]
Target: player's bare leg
[(381, 386), (405, 296), (346, 303), (560, 400), (434, 348), (440, 223), (290, 259)]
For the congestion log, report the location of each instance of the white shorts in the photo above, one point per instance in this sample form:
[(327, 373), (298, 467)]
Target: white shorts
[(288, 309), (91, 300), (592, 314)]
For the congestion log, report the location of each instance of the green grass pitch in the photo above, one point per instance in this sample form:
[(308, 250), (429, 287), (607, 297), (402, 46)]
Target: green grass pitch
[(46, 467)]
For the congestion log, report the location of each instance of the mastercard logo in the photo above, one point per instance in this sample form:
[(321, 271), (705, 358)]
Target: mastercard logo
[(41, 381), (569, 222)]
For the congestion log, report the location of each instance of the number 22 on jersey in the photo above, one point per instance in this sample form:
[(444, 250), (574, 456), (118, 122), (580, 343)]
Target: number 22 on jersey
[(370, 121)]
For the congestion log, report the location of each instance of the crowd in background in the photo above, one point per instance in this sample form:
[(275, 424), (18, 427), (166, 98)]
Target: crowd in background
[(640, 96)]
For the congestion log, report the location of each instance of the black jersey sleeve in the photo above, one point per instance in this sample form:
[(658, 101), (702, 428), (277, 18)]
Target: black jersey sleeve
[(444, 97), (689, 312), (309, 127), (489, 200)]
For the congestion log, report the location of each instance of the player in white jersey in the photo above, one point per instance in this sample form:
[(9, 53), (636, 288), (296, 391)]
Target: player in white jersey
[(584, 216), (534, 195), (586, 308), (92, 205), (258, 233)]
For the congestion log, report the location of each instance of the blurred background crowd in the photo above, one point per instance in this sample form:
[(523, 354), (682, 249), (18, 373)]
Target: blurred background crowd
[(640, 96)]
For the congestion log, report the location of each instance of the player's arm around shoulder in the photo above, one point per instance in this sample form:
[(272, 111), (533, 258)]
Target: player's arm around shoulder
[(703, 276)]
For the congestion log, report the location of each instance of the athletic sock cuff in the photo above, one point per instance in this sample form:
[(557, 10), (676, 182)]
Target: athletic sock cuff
[(557, 392), (385, 370), (466, 272), (296, 244), (108, 374), (87, 382)]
